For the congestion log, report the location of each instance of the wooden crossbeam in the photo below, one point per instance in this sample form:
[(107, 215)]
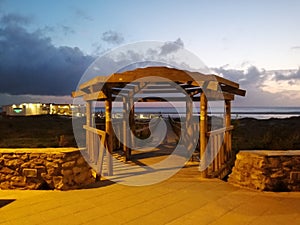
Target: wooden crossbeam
[(94, 96)]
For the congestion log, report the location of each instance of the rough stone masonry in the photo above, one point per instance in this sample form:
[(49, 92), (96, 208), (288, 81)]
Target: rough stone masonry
[(267, 170), (45, 168)]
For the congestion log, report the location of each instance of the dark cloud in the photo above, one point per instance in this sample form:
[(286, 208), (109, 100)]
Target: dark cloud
[(112, 37), (13, 19), (291, 76), (250, 76), (255, 81), (171, 46), (31, 64)]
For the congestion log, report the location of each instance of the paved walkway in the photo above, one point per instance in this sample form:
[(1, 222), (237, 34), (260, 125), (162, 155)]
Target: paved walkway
[(182, 199)]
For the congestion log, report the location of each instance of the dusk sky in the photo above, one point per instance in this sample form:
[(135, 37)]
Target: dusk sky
[(45, 46)]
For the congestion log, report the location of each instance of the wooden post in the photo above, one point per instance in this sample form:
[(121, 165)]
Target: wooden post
[(227, 113), (189, 125), (109, 132), (124, 126), (131, 122), (227, 125), (88, 114), (203, 131)]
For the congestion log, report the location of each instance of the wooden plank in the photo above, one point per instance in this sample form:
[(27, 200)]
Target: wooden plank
[(215, 95), (233, 90), (99, 95), (163, 91), (222, 80), (77, 93), (94, 130), (102, 151), (95, 80), (219, 131)]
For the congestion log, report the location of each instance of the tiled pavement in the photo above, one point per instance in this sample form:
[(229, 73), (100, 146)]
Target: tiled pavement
[(179, 200)]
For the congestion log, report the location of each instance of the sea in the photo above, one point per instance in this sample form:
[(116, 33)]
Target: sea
[(236, 112)]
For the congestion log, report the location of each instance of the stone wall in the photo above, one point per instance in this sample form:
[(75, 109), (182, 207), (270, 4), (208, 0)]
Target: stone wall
[(45, 168), (267, 170)]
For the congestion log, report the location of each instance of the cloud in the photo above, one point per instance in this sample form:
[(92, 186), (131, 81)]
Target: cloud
[(249, 76), (15, 19), (295, 48), (67, 30), (82, 15), (170, 47), (264, 88), (112, 37), (31, 64), (291, 76), (7, 99)]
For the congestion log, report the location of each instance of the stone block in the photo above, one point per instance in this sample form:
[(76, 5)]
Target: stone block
[(9, 156), (18, 181), (34, 155), (295, 177), (13, 163), (6, 170), (24, 157), (274, 162), (58, 156), (43, 156), (66, 172), (38, 161), (81, 161), (5, 185), (58, 182), (27, 165), (77, 170), (72, 156), (52, 171), (30, 172), (288, 163), (3, 178), (81, 177), (51, 164), (278, 175), (69, 164)]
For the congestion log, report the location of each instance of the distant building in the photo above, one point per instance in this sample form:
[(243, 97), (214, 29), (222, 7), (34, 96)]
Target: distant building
[(34, 109), (25, 109)]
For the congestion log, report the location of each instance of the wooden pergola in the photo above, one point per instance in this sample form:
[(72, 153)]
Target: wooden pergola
[(131, 85)]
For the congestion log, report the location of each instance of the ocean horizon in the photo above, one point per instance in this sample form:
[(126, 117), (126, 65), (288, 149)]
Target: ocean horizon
[(258, 112)]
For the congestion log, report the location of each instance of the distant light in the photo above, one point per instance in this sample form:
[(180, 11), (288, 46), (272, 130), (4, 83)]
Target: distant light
[(18, 110)]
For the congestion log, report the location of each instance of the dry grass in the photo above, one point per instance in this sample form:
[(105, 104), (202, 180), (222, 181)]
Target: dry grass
[(36, 131), (45, 131), (270, 134)]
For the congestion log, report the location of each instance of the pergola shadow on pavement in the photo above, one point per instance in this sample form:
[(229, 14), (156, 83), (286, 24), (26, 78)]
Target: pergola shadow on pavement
[(157, 84)]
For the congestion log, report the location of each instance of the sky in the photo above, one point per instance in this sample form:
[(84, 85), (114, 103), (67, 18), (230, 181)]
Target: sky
[(46, 46)]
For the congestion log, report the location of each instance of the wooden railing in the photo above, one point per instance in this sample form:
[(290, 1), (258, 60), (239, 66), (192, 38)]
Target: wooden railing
[(96, 147), (176, 126), (146, 127), (220, 149)]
